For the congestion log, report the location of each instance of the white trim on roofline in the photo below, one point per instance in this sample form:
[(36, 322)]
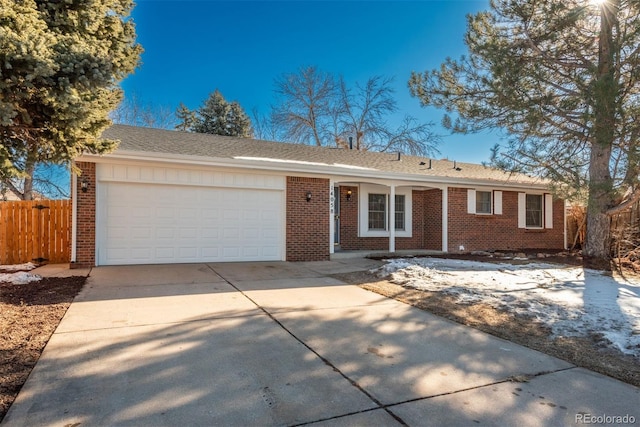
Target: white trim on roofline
[(311, 168)]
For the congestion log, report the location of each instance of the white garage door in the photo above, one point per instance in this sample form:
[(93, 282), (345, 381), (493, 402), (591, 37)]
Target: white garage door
[(157, 223)]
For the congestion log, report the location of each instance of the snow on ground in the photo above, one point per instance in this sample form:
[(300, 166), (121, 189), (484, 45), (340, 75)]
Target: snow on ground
[(572, 301), (18, 267), (18, 274), (19, 278)]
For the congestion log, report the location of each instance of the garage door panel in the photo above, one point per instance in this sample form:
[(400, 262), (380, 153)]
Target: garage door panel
[(145, 223), (165, 253)]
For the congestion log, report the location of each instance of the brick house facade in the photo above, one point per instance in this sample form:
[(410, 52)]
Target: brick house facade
[(158, 178), (307, 221), (85, 245)]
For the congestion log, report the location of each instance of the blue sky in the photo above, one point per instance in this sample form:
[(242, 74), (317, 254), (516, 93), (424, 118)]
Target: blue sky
[(240, 47)]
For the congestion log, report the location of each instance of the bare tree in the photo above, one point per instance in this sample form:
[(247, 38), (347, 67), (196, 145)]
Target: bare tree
[(315, 107), (365, 109), (264, 126), (134, 111), (305, 104)]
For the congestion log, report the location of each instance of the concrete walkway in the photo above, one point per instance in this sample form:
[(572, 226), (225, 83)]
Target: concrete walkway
[(283, 344)]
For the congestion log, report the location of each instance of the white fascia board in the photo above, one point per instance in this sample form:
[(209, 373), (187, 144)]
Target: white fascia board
[(311, 168)]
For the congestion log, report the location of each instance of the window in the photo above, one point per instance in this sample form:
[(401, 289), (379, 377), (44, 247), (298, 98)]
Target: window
[(377, 211), (375, 217), (533, 210), (483, 202), (400, 216)]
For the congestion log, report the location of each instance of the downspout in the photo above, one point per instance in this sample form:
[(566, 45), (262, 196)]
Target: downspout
[(332, 214), (445, 219)]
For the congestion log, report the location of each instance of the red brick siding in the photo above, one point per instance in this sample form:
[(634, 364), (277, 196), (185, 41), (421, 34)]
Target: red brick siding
[(433, 219), (86, 217), (499, 232), (307, 222), (349, 239)]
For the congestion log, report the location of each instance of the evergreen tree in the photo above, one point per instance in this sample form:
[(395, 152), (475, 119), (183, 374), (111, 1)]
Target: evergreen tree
[(60, 65), (216, 116), (561, 77), (186, 117)]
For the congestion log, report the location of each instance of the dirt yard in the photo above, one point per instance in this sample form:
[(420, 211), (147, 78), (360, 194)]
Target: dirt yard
[(28, 316), (586, 352)]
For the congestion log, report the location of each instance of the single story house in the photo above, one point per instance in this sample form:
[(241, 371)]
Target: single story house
[(177, 197)]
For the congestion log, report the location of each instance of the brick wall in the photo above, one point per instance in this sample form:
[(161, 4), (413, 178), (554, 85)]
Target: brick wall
[(307, 222), (86, 217), (499, 232), (433, 219)]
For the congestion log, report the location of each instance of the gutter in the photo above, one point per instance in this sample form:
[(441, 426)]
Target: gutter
[(296, 166)]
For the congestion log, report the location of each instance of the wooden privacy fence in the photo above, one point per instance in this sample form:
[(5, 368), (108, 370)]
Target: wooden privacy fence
[(37, 231), (625, 232)]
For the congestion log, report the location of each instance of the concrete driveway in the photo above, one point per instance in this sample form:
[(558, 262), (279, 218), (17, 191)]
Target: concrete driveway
[(284, 344)]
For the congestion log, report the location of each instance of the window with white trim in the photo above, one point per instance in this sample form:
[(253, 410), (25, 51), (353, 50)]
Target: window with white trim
[(533, 210), (375, 217), (483, 202), (377, 211), (399, 214)]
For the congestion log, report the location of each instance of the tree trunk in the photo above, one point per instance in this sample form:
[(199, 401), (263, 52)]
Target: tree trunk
[(27, 192), (600, 182)]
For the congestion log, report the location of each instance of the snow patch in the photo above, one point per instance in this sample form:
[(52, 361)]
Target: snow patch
[(18, 267), (19, 278), (571, 301)]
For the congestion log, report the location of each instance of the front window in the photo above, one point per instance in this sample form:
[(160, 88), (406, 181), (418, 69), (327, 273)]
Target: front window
[(377, 211), (534, 210), (483, 202), (400, 215)]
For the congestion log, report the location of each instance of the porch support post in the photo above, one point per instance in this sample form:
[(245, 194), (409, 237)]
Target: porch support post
[(445, 219), (392, 218), (332, 213)]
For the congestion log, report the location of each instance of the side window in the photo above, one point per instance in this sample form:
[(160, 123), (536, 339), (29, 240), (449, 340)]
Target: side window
[(483, 202), (377, 211), (533, 210)]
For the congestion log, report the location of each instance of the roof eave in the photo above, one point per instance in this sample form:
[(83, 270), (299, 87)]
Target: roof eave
[(275, 166)]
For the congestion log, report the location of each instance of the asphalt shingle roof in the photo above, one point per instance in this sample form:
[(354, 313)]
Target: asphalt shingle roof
[(148, 141)]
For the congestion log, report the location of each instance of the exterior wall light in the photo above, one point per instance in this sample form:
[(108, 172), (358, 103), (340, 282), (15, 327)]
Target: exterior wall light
[(84, 185), (348, 195), (308, 196)]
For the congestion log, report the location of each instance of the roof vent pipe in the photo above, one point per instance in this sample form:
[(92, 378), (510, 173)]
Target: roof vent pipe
[(429, 163), (454, 164), (350, 143), (399, 154)]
